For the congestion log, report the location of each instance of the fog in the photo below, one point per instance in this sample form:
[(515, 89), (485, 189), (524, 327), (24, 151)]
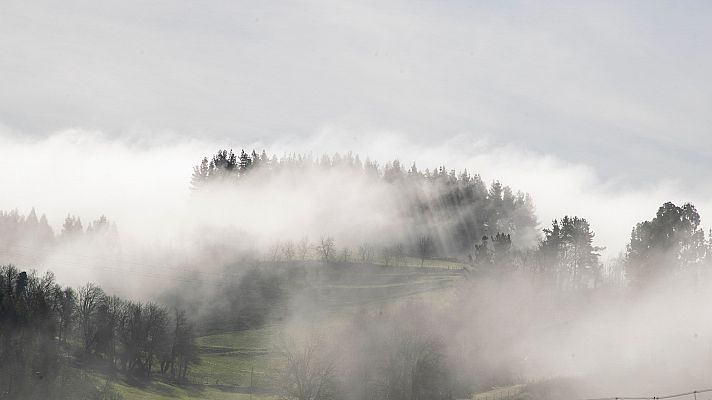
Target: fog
[(607, 344), (142, 181), (319, 200), (177, 245)]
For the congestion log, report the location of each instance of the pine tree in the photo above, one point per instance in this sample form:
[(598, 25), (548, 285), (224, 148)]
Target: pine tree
[(245, 163), (72, 227), (200, 174), (32, 218)]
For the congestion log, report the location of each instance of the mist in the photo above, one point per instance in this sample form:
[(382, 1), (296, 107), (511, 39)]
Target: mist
[(387, 201), (95, 174), (491, 331)]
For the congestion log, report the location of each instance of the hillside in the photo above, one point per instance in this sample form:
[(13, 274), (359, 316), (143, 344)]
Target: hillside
[(230, 360)]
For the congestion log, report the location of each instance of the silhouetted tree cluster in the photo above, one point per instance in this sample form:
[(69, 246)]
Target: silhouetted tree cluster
[(326, 249), (29, 323), (99, 233), (454, 209), (493, 251), (134, 337), (671, 242), (37, 328), (23, 234), (568, 255), (226, 165), (41, 324), (26, 239)]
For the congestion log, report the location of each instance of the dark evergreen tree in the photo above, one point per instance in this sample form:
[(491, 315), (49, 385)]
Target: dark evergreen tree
[(72, 227), (245, 162), (200, 174), (568, 255), (671, 241)]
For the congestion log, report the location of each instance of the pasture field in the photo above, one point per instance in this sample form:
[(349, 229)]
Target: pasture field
[(164, 391), (230, 360)]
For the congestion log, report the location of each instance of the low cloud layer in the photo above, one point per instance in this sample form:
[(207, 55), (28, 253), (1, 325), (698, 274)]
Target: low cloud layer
[(145, 185)]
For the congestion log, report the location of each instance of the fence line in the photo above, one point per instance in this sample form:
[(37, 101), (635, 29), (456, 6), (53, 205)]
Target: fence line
[(669, 396)]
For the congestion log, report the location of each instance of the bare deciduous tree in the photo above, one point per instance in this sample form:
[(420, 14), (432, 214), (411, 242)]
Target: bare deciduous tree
[(156, 324), (90, 297), (412, 367), (425, 248), (303, 248), (346, 254), (326, 248), (308, 372), (387, 254), (288, 250), (365, 252), (274, 251), (399, 254)]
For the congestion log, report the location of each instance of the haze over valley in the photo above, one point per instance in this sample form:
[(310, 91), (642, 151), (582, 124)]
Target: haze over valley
[(356, 200)]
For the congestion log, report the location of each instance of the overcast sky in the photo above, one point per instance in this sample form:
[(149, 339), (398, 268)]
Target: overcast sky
[(619, 90)]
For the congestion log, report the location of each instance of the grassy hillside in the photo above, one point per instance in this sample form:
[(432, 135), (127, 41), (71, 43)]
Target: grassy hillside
[(229, 360), (163, 391)]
